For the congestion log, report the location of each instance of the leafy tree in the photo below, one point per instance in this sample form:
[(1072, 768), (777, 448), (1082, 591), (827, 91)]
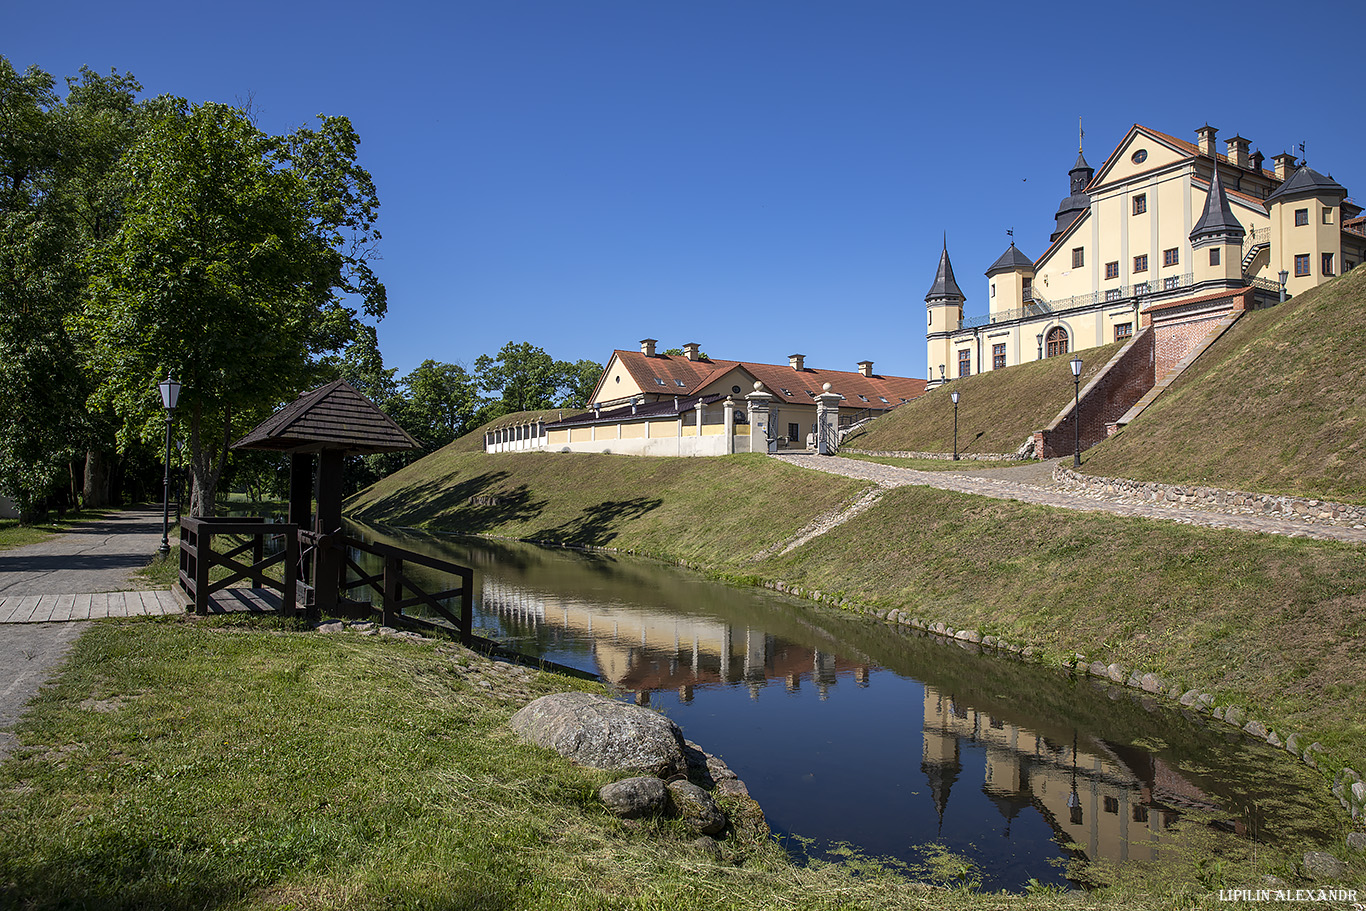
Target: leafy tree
[(232, 267), (580, 379), (57, 199), (523, 377), (439, 403)]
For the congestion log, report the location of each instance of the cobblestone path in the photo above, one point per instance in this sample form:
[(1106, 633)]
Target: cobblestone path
[(1027, 484)]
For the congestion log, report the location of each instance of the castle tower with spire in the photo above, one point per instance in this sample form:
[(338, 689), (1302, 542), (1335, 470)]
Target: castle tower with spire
[(944, 307)]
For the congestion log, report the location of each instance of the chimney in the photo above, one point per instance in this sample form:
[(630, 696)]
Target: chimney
[(1206, 139), (1255, 163), (1285, 166), (798, 361), (865, 368), (1238, 150), (647, 346), (692, 351)]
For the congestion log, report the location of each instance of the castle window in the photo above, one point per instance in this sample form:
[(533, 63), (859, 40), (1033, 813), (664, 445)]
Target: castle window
[(1140, 203), (1301, 263), (1327, 264), (1114, 294), (1141, 263), (965, 362), (1028, 290), (1327, 215), (998, 356), (1123, 330), (1056, 343), (1301, 216), (993, 289), (1112, 805), (1214, 256), (1171, 257), (1078, 257), (1139, 157), (1140, 288), (1171, 283), (1112, 269)]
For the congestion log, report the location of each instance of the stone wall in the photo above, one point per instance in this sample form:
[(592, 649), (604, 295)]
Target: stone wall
[(1310, 511)]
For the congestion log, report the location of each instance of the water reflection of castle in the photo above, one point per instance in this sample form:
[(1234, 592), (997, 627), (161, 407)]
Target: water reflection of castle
[(1110, 801), (1114, 802), (644, 652)]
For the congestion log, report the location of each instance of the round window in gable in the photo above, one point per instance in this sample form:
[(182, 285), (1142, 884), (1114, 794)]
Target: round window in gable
[(617, 378), (1140, 156), (735, 390)]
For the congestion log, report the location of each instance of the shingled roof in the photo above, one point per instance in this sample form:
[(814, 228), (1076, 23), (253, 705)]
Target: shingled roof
[(332, 417)]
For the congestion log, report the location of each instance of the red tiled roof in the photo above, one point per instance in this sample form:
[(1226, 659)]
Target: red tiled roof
[(775, 377)]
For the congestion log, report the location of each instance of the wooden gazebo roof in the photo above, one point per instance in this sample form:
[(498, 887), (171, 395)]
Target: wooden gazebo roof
[(333, 418)]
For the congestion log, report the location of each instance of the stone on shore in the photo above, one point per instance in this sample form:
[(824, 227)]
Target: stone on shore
[(632, 798), (603, 733), (696, 808)]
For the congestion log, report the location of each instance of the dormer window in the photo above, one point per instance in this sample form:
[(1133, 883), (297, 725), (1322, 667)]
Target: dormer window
[(862, 398), (658, 381), (681, 384)]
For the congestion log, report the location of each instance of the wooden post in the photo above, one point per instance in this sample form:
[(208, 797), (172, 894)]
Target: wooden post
[(202, 558), (289, 598), (258, 553), (327, 559), (467, 608), (393, 567)]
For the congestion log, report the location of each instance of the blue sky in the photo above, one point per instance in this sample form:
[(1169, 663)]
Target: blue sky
[(762, 177)]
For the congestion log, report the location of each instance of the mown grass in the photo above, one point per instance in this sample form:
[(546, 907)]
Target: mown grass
[(713, 511), (997, 410), (182, 764), (1277, 405)]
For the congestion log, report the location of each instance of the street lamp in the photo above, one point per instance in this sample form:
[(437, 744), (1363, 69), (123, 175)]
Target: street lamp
[(1285, 277), (954, 395), (1076, 410), (1040, 338), (941, 373), (170, 394)]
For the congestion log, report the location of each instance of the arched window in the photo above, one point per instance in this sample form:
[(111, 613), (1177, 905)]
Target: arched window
[(1057, 342)]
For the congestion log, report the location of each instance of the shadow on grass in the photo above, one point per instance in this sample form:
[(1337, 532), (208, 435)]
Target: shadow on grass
[(472, 506), (597, 526)]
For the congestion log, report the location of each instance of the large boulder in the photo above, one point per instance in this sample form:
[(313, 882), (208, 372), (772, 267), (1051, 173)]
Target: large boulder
[(603, 733)]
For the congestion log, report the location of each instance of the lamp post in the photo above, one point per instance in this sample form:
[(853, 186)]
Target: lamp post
[(941, 373), (1285, 277), (954, 395), (1040, 338), (1076, 410), (170, 394)]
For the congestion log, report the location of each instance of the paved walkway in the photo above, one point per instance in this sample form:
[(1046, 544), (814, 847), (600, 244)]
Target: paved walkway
[(75, 576), (1026, 484)]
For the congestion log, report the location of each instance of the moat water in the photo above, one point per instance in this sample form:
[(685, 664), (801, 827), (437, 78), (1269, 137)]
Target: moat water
[(855, 734)]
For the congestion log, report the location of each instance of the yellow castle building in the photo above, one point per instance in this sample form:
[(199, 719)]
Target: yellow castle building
[(1165, 226)]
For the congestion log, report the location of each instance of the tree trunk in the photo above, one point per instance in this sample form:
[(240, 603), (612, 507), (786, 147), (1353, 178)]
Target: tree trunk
[(96, 490)]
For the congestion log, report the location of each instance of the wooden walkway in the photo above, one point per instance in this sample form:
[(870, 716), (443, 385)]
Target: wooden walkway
[(60, 608), (63, 608)]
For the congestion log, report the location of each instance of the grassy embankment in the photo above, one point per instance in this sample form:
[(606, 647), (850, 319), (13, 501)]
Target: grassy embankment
[(189, 764)]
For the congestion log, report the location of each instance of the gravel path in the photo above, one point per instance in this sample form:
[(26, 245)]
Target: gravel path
[(97, 557), (1033, 484)]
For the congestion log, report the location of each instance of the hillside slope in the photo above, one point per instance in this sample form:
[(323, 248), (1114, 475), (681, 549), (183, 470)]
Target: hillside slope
[(996, 409), (1277, 405)]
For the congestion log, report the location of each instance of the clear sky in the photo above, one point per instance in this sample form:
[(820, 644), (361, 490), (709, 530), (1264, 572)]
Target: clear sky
[(765, 177)]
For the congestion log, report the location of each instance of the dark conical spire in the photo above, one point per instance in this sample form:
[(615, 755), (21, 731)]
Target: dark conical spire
[(1218, 220), (944, 285)]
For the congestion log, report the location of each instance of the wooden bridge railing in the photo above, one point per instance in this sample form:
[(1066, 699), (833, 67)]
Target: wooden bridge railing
[(198, 558), (398, 590)]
